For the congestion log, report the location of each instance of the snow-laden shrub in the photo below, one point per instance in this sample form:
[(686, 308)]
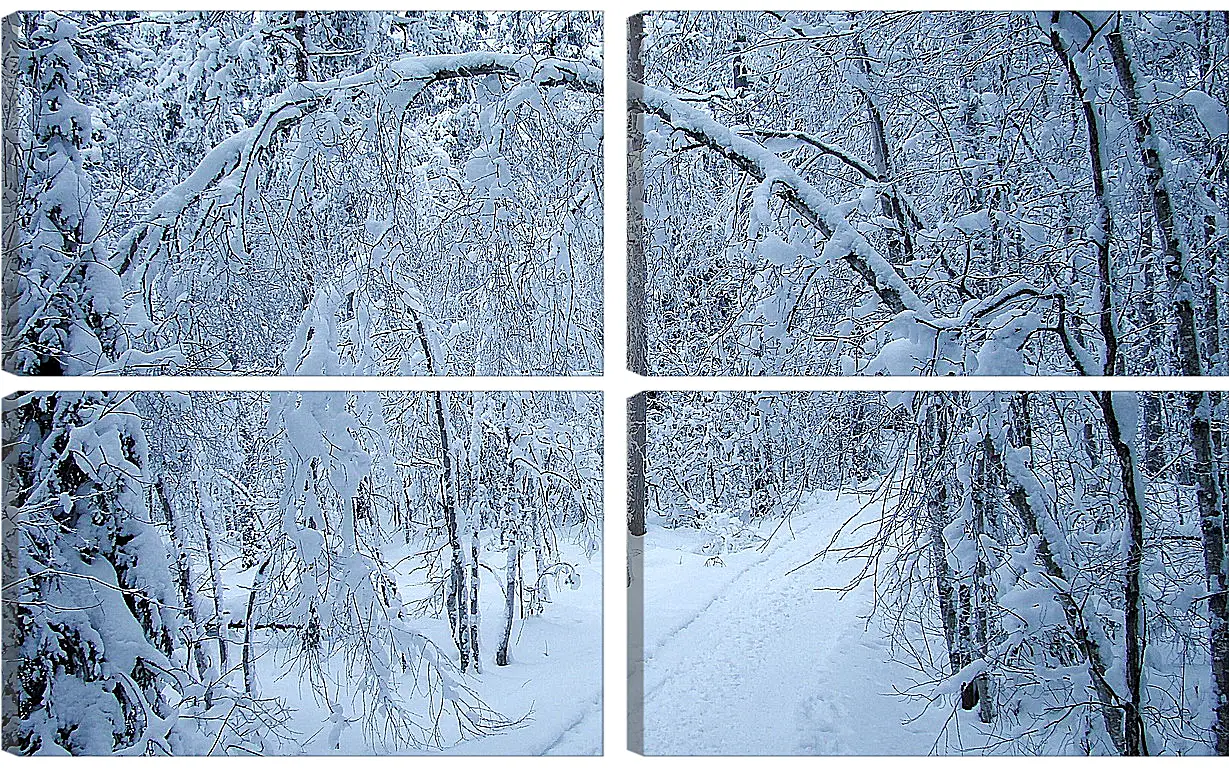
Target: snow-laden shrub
[(727, 532)]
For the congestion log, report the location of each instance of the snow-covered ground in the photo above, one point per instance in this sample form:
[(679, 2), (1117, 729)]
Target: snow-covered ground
[(743, 659), (555, 676), (552, 686)]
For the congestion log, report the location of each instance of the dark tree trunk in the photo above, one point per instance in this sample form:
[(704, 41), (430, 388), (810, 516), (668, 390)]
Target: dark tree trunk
[(987, 487), (474, 615), (1181, 290), (1136, 617), (187, 591), (1034, 515), (457, 603), (512, 578), (931, 444), (215, 576)]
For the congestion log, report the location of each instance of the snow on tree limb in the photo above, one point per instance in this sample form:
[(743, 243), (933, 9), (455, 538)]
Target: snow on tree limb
[(226, 167), (845, 242)]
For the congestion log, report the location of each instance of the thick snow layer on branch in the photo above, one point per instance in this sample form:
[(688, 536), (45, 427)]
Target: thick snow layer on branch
[(754, 158), (401, 80)]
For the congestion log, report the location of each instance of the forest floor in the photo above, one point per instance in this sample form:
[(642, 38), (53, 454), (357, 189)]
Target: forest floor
[(747, 659), (555, 676), (551, 690)]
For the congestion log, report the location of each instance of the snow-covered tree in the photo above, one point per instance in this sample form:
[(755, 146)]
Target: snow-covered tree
[(1021, 591), (63, 301), (929, 193), (90, 612), (234, 573), (223, 177)]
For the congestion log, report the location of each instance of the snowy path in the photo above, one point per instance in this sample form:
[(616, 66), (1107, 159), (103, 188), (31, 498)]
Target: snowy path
[(579, 737), (750, 661)]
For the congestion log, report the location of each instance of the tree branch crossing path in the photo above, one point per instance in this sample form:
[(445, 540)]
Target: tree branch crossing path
[(744, 655)]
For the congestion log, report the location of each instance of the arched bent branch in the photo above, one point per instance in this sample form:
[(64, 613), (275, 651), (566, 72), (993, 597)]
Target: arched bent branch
[(232, 158), (811, 204), (845, 242)]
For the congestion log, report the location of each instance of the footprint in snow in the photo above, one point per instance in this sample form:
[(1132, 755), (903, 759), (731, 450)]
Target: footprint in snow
[(820, 723)]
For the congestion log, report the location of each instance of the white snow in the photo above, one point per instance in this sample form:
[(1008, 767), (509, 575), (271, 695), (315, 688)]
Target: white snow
[(751, 659), (553, 683)]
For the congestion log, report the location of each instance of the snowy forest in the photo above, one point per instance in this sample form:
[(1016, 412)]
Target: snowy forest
[(810, 193), (929, 573), (820, 193), (303, 192), (230, 573)]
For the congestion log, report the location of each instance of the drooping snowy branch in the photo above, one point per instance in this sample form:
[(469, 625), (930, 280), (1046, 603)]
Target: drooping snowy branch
[(844, 242), (227, 171)]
